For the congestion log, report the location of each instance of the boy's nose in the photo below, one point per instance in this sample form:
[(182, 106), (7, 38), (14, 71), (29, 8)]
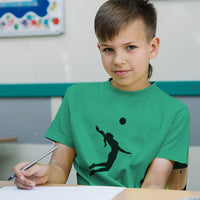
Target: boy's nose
[(119, 58)]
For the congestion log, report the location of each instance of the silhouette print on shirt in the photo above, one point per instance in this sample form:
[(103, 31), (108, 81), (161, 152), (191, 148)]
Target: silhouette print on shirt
[(115, 148)]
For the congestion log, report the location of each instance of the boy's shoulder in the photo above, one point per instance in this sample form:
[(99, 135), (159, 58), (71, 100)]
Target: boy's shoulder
[(85, 87), (170, 100)]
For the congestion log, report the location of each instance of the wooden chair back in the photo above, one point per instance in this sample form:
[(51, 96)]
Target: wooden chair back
[(178, 179)]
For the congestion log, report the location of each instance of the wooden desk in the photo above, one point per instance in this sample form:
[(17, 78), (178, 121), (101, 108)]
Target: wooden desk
[(138, 194), (3, 140), (6, 183), (155, 194)]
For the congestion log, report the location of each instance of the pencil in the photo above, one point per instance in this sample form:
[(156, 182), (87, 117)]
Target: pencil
[(34, 161)]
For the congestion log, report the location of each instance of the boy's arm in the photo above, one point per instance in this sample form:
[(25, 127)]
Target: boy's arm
[(56, 172), (61, 163), (158, 173)]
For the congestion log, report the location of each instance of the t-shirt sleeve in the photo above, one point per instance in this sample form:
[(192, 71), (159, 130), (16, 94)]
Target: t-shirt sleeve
[(176, 145), (60, 128)]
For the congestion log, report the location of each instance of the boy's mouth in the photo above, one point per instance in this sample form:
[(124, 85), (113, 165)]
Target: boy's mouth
[(121, 72)]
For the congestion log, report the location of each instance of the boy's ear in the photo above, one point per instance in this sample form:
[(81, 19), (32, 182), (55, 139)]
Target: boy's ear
[(98, 45), (155, 43)]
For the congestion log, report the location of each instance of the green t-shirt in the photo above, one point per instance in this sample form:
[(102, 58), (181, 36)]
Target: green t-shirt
[(118, 133)]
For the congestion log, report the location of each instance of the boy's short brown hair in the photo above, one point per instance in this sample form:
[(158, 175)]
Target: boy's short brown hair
[(114, 15)]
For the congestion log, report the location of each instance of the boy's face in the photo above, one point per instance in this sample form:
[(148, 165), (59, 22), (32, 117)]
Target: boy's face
[(126, 57)]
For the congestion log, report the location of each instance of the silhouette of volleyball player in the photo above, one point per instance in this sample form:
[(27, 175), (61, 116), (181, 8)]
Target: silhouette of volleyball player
[(115, 148)]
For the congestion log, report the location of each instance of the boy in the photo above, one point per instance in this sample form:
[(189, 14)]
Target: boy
[(125, 131)]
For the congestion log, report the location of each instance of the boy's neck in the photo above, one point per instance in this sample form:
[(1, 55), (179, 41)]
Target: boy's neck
[(131, 87)]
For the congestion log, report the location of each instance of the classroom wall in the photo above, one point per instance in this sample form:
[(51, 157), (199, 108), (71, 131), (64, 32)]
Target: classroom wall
[(70, 57), (74, 57), (179, 32)]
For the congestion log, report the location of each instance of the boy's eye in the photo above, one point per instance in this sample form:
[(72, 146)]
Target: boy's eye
[(107, 50), (130, 47)]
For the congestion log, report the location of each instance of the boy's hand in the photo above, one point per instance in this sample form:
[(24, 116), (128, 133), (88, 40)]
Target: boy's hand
[(35, 175)]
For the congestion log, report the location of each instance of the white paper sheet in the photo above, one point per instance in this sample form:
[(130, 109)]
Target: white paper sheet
[(61, 193), (190, 199)]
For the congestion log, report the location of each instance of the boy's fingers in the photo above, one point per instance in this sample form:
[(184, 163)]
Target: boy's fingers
[(24, 184), (34, 171), (21, 180), (29, 172), (17, 169), (35, 175)]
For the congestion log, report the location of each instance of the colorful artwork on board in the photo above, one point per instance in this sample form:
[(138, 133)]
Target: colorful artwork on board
[(31, 17)]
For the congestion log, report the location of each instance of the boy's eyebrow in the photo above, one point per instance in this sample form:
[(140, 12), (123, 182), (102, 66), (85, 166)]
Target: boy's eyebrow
[(125, 44), (101, 44), (128, 43)]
